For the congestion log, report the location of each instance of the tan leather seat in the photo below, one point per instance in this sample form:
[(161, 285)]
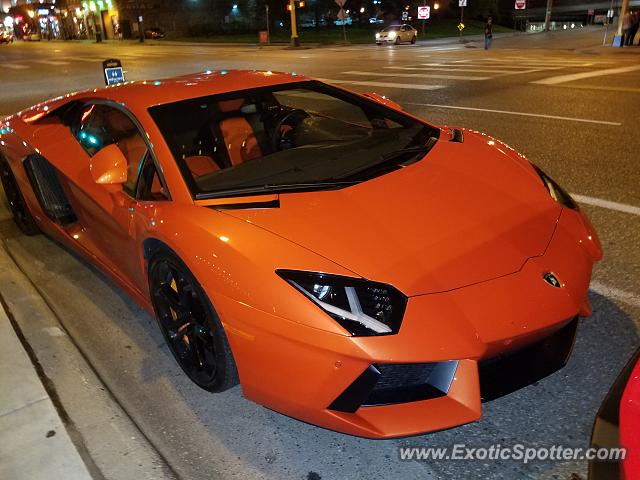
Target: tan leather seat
[(200, 165), (239, 137)]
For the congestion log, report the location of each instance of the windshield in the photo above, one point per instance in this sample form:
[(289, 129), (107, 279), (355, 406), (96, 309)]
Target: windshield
[(393, 28), (300, 136)]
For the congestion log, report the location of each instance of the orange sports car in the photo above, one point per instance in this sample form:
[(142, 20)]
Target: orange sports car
[(349, 264)]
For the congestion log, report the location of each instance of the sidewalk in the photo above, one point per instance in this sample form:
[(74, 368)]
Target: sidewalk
[(34, 443), (57, 419)]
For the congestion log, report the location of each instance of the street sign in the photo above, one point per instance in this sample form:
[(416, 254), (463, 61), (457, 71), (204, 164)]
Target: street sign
[(521, 4), (405, 16), (610, 14), (341, 3), (590, 11), (462, 3), (342, 14), (461, 26), (424, 12), (113, 72)]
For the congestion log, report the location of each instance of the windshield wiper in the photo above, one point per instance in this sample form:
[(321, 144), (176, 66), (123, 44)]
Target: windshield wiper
[(274, 188), (409, 150)]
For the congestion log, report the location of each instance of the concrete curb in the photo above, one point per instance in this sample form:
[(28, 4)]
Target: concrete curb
[(34, 443), (94, 437)]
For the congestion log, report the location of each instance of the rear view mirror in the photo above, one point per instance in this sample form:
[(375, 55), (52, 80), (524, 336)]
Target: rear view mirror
[(109, 166), (383, 100)]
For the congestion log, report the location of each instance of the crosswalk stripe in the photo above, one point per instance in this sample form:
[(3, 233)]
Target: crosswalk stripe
[(55, 63), (86, 59), (405, 86), (484, 65), (465, 69), (14, 66), (542, 63), (416, 75), (580, 76)]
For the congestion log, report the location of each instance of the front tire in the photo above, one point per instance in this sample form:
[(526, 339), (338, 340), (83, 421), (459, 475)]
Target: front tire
[(397, 42), (413, 39), (190, 325), (21, 214)]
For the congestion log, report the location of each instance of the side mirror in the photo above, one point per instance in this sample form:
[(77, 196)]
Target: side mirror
[(109, 166), (383, 100)]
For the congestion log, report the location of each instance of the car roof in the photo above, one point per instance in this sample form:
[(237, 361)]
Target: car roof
[(140, 95)]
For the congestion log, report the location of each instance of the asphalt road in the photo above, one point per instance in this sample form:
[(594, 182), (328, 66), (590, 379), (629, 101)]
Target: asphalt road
[(565, 103)]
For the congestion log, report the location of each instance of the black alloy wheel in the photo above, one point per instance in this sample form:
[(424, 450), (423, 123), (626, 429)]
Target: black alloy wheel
[(21, 214), (189, 324)]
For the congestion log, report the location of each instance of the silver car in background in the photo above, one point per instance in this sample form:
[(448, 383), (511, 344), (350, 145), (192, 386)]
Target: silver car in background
[(397, 34)]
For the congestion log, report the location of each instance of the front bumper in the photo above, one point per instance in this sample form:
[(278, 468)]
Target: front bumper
[(494, 333)]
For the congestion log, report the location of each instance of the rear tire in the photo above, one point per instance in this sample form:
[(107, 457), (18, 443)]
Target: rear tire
[(190, 325), (21, 214)]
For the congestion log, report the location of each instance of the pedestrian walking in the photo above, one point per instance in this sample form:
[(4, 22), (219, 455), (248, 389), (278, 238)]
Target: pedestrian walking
[(488, 33), (626, 27), (635, 19)]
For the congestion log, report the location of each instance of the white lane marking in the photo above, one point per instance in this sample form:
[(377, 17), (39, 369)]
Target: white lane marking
[(462, 69), (615, 293), (85, 59), (598, 202), (542, 60), (15, 66), (580, 76), (507, 112), (406, 86), (55, 63), (416, 75)]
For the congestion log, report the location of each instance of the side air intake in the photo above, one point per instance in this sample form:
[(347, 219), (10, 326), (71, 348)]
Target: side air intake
[(48, 189)]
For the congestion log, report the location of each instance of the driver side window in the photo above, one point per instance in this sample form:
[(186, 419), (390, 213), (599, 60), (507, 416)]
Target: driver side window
[(100, 126)]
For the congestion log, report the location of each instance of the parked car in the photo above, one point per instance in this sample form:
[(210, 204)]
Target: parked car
[(617, 425), (6, 37), (32, 37), (351, 265), (397, 34), (154, 33)]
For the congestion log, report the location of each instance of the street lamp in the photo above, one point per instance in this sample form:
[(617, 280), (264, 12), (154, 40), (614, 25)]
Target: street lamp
[(436, 6)]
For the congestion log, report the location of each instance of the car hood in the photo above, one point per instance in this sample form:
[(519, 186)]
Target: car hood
[(466, 213)]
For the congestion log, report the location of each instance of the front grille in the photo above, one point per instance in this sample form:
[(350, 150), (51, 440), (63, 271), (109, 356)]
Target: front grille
[(512, 371), (393, 383)]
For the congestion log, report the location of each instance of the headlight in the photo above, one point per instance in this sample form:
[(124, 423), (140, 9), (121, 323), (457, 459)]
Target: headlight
[(377, 36), (555, 190), (392, 35), (360, 306)]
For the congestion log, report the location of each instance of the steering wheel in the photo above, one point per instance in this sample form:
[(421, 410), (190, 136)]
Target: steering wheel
[(279, 136)]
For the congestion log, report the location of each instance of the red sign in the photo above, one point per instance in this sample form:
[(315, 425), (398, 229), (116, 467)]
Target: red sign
[(521, 4), (590, 11), (424, 12)]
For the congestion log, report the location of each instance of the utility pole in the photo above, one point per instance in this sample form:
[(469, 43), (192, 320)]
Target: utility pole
[(266, 7), (618, 40), (461, 20), (295, 41), (547, 18), (606, 24)]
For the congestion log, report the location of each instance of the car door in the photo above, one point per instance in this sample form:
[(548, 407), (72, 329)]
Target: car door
[(107, 211)]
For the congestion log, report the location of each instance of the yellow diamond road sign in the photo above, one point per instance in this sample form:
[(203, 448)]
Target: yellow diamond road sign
[(461, 26)]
